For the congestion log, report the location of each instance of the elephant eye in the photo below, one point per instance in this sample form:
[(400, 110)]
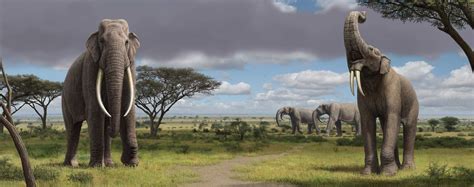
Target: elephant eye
[(126, 42), (102, 40)]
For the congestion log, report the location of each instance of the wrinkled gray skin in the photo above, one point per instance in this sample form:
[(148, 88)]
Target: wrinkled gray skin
[(111, 50), (297, 116), (337, 113), (388, 96)]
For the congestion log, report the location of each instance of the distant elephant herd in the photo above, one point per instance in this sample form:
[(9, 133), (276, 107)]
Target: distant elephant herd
[(99, 89), (337, 113)]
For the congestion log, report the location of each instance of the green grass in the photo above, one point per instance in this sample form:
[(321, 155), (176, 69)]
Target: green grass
[(168, 160)]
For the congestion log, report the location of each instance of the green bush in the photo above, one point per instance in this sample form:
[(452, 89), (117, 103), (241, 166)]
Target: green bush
[(45, 173), (356, 141), (443, 142), (8, 171), (182, 149), (233, 146), (82, 177), (461, 134), (437, 172), (471, 134), (427, 134)]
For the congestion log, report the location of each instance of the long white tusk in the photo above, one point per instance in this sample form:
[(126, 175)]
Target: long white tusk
[(132, 90), (358, 82), (351, 80), (98, 87)]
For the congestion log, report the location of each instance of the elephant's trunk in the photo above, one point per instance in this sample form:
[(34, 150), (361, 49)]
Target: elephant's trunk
[(278, 116), (356, 47), (316, 117), (114, 78)]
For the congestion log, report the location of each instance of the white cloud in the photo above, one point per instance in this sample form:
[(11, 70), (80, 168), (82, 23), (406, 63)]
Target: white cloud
[(329, 4), (240, 88), (284, 5), (310, 79), (416, 70), (267, 86), (462, 77), (238, 60)]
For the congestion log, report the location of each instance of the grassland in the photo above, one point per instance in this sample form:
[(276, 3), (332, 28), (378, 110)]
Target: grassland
[(168, 159)]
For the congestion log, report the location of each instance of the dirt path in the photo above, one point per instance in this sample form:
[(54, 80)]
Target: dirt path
[(222, 175)]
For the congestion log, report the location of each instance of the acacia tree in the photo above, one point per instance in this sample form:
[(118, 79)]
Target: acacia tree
[(433, 123), (450, 123), (446, 15), (159, 89), (45, 92)]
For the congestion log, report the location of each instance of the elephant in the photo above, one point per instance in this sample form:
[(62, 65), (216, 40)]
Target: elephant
[(382, 94), (107, 105), (297, 116), (338, 112)]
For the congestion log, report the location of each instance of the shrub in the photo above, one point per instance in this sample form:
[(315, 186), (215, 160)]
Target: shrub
[(82, 177), (182, 149), (8, 171), (463, 173), (45, 173), (356, 141), (437, 172), (232, 146), (427, 134), (444, 142), (420, 129), (471, 134)]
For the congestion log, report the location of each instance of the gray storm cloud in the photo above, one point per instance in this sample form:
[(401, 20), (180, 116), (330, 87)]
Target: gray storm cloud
[(53, 32)]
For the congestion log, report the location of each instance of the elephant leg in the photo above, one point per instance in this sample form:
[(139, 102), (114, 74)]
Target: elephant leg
[(310, 128), (339, 128), (95, 123), (409, 134), (73, 131), (107, 143), (390, 135), (395, 154), (129, 139), (370, 149)]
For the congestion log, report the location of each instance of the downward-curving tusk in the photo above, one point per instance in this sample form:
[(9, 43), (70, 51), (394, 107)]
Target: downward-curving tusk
[(358, 82), (98, 87), (132, 90), (351, 80)]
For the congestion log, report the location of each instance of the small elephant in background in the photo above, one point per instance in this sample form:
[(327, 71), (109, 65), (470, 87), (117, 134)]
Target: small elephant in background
[(338, 112), (297, 116)]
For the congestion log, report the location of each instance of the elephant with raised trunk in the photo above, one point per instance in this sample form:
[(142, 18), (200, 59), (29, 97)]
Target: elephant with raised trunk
[(99, 88), (383, 94), (297, 116), (338, 112)]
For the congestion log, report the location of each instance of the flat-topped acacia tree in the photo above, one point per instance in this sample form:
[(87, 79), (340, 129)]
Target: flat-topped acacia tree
[(446, 15), (159, 89)]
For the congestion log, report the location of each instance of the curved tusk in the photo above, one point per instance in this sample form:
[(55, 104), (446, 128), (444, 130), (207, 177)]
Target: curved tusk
[(132, 90), (351, 80), (358, 82), (98, 95)]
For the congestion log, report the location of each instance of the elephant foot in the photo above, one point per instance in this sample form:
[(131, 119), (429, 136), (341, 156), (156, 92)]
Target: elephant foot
[(390, 169), (109, 163), (73, 163), (369, 170), (132, 162), (408, 166), (96, 163)]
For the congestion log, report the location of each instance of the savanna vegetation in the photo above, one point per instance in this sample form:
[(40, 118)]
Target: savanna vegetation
[(186, 142)]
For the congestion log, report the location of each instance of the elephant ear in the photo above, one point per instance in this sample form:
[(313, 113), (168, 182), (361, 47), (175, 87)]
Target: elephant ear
[(134, 44), (384, 65), (92, 46)]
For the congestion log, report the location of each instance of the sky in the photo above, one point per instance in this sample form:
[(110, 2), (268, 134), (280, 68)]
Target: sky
[(266, 53)]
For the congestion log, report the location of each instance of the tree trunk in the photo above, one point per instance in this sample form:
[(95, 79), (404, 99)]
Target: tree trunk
[(448, 29), (159, 122), (153, 131), (20, 147), (43, 119)]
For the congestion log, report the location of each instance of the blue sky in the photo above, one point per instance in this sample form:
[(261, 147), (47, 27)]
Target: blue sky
[(282, 52)]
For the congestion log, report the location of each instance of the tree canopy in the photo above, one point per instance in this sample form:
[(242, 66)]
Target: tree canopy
[(446, 15), (450, 123), (159, 89)]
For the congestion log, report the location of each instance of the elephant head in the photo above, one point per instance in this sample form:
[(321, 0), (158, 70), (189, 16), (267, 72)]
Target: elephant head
[(318, 112), (361, 57), (282, 111), (113, 48)]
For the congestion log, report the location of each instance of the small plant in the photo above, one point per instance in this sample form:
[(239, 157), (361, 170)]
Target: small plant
[(82, 177), (437, 172), (427, 134), (471, 134), (182, 149), (8, 171)]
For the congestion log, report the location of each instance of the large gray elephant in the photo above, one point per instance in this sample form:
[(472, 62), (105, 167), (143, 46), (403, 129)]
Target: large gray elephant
[(107, 105), (337, 113), (297, 116), (383, 94)]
